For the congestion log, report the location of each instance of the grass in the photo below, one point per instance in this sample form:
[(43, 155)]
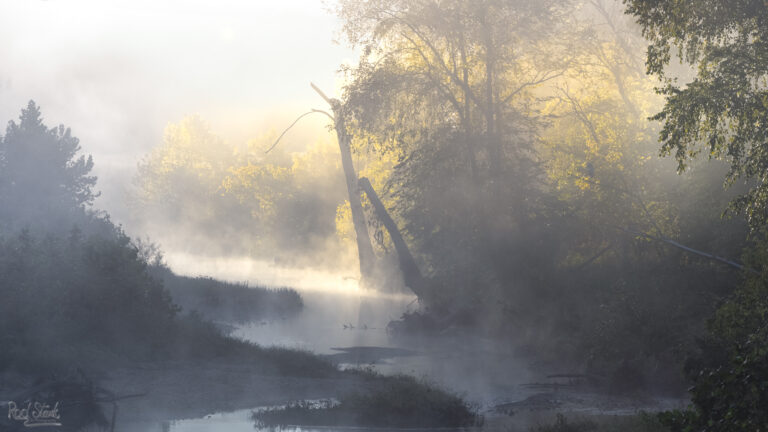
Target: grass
[(197, 338), (642, 422), (392, 401), (229, 302)]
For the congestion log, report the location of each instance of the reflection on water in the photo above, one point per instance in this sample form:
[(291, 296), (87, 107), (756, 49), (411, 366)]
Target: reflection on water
[(237, 421), (240, 421)]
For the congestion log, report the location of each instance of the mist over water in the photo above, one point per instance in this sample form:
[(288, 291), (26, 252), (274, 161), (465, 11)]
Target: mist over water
[(338, 315), (261, 272), (337, 312), (383, 214)]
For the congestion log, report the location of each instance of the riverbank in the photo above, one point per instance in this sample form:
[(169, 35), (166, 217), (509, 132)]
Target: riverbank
[(147, 395)]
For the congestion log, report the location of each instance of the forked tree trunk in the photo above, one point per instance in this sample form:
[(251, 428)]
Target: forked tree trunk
[(411, 274)]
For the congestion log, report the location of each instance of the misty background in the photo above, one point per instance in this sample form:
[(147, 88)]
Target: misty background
[(118, 72), (507, 217)]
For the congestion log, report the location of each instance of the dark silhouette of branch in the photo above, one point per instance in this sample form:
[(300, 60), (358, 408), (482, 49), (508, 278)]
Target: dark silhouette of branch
[(689, 249)]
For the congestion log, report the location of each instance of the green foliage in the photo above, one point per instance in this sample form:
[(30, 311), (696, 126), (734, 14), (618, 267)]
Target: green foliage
[(562, 424), (276, 206), (396, 401), (723, 109), (642, 422), (446, 94), (73, 284), (730, 374), (530, 205)]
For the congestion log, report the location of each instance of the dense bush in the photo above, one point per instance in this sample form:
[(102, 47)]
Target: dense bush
[(642, 422), (62, 295), (730, 373)]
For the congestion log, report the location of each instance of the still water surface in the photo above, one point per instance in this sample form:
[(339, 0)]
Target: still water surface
[(341, 321)]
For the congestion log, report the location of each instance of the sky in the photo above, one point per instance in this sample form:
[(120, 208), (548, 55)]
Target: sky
[(117, 72)]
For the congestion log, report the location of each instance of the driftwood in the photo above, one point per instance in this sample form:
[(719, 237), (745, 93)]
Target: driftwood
[(411, 274)]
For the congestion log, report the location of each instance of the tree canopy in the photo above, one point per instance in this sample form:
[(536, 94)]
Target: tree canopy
[(723, 109), (41, 171)]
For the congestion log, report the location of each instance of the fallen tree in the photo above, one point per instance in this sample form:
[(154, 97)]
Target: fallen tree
[(411, 274)]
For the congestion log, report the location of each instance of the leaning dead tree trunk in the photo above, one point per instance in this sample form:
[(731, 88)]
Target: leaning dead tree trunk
[(364, 247), (411, 274)]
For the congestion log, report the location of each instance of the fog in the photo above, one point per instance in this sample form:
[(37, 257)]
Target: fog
[(118, 72), (518, 215)]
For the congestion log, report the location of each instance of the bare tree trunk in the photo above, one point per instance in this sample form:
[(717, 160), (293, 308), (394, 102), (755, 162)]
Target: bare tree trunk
[(364, 247), (411, 274)]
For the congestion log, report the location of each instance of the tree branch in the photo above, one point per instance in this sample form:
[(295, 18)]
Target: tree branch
[(299, 118)]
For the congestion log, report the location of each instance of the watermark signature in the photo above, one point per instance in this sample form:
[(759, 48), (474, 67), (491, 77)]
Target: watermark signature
[(35, 414)]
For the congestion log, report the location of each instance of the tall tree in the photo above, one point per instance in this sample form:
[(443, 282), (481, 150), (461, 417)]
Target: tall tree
[(721, 110), (40, 170), (467, 65), (449, 88)]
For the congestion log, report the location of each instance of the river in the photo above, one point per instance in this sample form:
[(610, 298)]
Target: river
[(350, 325)]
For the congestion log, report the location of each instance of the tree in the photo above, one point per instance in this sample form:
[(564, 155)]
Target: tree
[(180, 180), (448, 91), (466, 65), (235, 198), (40, 170), (723, 109), (364, 248)]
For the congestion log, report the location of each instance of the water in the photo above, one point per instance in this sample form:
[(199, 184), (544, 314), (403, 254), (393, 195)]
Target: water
[(341, 320), (329, 320), (338, 315), (237, 421)]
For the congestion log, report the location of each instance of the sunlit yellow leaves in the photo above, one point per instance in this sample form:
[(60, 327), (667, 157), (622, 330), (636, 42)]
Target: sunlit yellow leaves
[(599, 147), (262, 185), (189, 150), (195, 179), (344, 228), (318, 168)]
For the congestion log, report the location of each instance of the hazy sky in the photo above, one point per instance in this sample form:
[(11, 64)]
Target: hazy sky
[(118, 71)]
